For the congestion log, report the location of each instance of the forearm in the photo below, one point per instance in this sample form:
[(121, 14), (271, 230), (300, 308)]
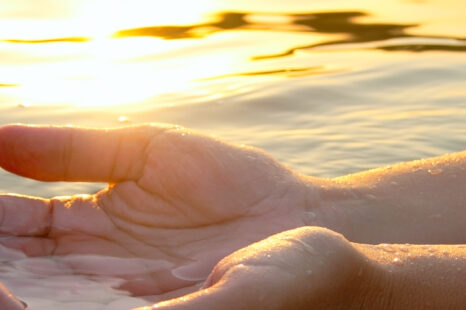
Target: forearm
[(416, 202), (414, 277)]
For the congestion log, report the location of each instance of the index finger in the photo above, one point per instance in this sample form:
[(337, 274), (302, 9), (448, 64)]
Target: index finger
[(51, 153)]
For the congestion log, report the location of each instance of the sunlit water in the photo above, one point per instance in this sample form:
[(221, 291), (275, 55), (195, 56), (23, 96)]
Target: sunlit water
[(327, 87)]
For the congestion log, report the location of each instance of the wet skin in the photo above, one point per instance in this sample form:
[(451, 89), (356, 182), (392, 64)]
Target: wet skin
[(179, 201)]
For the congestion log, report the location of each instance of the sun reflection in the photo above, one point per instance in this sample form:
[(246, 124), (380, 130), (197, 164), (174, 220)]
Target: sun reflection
[(102, 18), (109, 75), (74, 60), (94, 18), (94, 53)]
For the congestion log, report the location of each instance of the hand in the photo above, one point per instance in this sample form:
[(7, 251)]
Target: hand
[(316, 268), (177, 203), (304, 268)]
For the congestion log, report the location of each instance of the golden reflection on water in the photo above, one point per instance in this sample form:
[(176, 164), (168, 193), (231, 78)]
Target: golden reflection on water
[(99, 53), (51, 19)]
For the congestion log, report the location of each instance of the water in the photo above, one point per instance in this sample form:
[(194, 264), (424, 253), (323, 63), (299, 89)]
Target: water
[(327, 87)]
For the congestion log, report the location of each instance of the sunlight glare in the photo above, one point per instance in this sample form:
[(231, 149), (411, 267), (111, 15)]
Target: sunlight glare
[(103, 17), (106, 71), (99, 82), (98, 18)]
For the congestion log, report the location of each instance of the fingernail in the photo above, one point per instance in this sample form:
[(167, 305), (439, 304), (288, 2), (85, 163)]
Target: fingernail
[(192, 272), (24, 304)]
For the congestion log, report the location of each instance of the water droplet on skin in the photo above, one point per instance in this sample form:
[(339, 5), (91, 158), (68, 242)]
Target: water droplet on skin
[(435, 171), (386, 248), (397, 261), (360, 272), (123, 119), (403, 249), (269, 256), (458, 269), (309, 271), (311, 215)]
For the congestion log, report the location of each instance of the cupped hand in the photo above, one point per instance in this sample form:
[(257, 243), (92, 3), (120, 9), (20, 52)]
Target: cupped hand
[(303, 268), (177, 202)]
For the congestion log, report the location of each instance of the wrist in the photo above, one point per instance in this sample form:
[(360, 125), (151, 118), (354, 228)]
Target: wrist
[(350, 279), (336, 207), (372, 284)]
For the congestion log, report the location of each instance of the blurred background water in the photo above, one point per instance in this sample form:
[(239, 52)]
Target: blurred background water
[(327, 87)]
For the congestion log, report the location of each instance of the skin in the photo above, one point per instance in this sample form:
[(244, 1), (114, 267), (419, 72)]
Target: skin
[(8, 301), (418, 202), (175, 198), (316, 268), (300, 262), (179, 201)]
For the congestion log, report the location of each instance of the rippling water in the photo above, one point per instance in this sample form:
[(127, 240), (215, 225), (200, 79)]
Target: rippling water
[(327, 87)]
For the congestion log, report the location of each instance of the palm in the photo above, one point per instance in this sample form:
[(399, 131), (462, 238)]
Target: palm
[(178, 202)]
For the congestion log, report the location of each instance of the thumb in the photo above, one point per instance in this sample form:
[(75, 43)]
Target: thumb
[(8, 301)]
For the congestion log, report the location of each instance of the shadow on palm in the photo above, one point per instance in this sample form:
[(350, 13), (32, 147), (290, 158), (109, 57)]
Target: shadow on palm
[(177, 201)]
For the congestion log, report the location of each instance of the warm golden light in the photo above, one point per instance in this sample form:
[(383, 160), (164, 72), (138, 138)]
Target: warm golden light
[(98, 70), (94, 18), (103, 77), (94, 53)]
